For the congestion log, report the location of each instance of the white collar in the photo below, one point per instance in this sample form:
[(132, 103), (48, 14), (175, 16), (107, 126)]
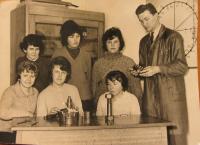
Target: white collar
[(156, 31)]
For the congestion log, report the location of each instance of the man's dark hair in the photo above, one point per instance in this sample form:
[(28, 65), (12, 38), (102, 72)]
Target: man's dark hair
[(119, 76), (68, 28), (141, 8), (64, 66), (32, 39), (111, 34)]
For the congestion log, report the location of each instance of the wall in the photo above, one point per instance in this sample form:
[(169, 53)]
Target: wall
[(118, 13), (5, 7)]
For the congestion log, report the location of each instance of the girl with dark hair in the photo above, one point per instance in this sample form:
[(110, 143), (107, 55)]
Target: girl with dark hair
[(33, 47), (71, 37), (123, 102), (113, 44), (54, 97), (20, 99)]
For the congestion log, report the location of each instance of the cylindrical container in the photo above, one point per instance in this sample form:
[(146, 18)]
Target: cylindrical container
[(76, 118), (72, 118), (69, 120), (61, 118), (86, 117)]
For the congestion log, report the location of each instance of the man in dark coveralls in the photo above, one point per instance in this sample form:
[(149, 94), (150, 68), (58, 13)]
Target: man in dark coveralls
[(162, 65)]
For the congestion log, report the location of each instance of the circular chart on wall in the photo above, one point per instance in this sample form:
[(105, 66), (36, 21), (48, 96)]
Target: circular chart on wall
[(182, 17)]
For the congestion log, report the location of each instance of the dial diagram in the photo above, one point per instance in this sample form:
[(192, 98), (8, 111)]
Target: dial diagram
[(182, 17)]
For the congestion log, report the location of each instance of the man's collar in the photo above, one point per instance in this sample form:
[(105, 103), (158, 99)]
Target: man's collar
[(156, 31)]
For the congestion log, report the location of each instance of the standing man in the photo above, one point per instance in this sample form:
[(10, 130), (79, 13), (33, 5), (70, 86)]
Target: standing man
[(163, 66)]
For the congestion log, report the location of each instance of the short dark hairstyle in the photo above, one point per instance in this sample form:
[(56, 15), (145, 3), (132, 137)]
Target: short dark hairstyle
[(28, 66), (68, 28), (119, 76), (110, 34), (64, 66), (32, 39), (141, 8)]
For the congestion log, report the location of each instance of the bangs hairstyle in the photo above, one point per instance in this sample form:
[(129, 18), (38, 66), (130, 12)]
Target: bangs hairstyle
[(64, 66), (119, 76), (28, 66), (32, 39), (67, 29), (141, 8), (111, 34)]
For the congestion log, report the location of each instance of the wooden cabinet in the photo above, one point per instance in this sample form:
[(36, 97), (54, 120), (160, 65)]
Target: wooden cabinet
[(46, 19)]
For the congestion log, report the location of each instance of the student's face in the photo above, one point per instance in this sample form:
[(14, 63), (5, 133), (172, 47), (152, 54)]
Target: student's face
[(114, 87), (73, 40), (27, 78), (113, 45), (32, 52), (58, 75), (148, 20)]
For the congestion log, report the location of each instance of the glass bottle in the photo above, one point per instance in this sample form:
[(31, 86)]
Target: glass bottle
[(69, 103)]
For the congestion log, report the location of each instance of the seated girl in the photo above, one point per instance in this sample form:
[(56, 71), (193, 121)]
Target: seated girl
[(54, 97), (20, 99), (123, 102)]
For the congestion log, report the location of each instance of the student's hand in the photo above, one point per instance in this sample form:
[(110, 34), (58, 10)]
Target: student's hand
[(149, 71), (21, 120), (54, 110)]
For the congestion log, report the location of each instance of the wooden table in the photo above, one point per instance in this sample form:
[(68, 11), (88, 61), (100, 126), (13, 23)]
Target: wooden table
[(129, 130)]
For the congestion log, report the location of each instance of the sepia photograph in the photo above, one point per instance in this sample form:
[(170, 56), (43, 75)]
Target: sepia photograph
[(109, 72)]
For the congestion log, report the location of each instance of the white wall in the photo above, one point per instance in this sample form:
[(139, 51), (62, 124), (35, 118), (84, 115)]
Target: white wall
[(5, 7), (191, 80), (118, 13)]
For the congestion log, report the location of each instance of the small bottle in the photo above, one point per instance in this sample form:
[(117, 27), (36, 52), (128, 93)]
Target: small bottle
[(69, 113), (69, 103)]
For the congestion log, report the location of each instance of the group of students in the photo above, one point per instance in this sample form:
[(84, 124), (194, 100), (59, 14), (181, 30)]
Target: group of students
[(162, 66), (43, 86)]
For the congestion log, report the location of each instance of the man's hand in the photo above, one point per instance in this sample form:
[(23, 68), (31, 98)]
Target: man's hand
[(135, 70), (149, 71)]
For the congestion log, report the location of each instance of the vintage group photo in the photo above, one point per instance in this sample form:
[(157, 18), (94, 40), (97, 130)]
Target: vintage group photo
[(109, 72)]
